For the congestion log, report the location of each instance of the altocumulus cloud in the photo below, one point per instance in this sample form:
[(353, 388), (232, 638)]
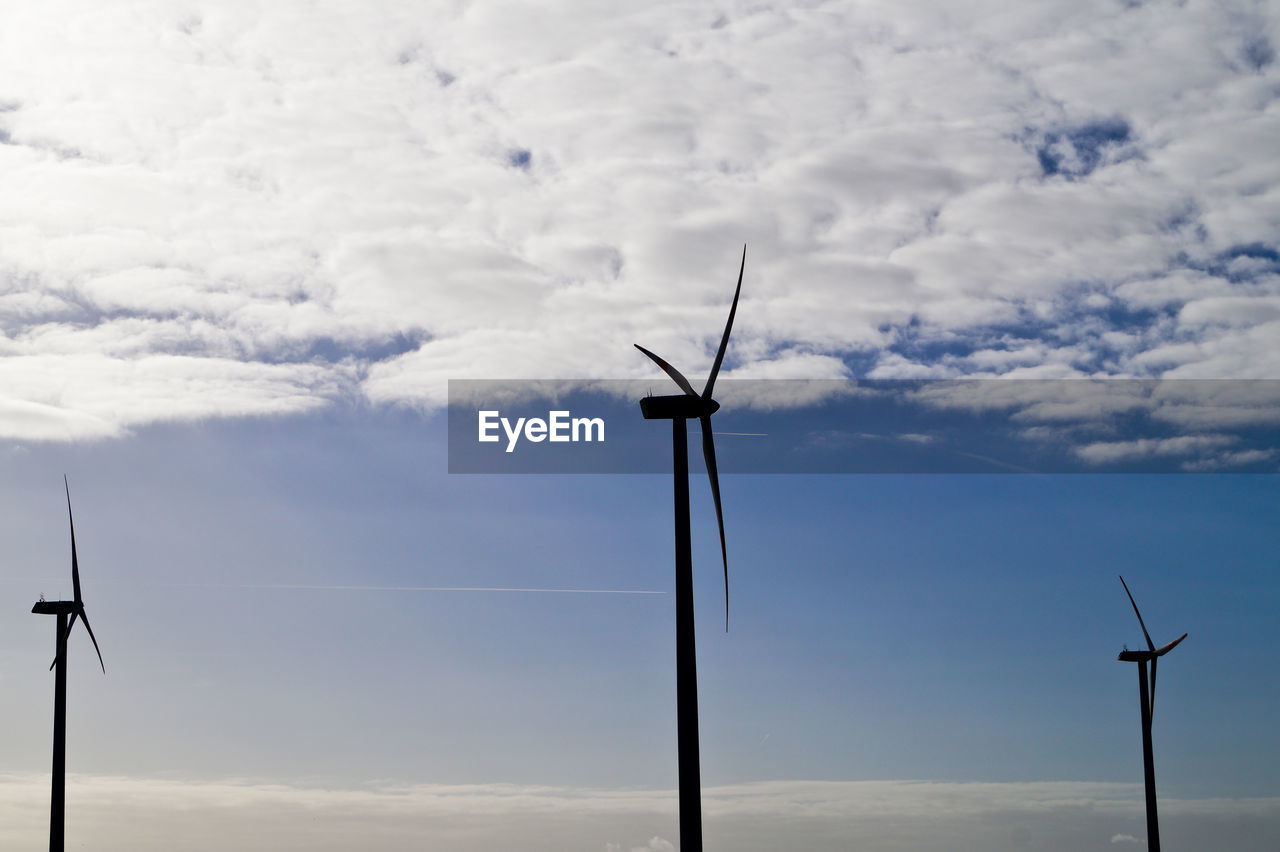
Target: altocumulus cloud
[(238, 210), (146, 814)]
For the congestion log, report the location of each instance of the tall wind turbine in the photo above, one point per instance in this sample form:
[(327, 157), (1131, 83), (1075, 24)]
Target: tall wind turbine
[(1148, 699), (678, 409), (74, 608)]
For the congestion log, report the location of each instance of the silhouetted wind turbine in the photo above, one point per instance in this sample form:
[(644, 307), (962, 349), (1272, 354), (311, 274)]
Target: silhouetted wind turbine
[(678, 409), (1148, 708), (74, 608)]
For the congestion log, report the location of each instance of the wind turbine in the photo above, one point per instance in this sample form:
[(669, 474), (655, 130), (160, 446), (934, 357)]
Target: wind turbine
[(1148, 707), (74, 608), (680, 408)]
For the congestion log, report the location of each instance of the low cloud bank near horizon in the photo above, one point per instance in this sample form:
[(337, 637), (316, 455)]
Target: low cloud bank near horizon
[(236, 211), (145, 814)]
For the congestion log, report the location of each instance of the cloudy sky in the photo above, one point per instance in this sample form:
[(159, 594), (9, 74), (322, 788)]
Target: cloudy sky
[(244, 247)]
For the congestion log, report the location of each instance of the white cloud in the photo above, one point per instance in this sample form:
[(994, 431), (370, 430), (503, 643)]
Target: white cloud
[(655, 844), (408, 193), (1104, 452), (1225, 462), (147, 813), (79, 396)]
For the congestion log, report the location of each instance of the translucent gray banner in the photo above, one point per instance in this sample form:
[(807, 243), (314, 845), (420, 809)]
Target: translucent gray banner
[(872, 426)]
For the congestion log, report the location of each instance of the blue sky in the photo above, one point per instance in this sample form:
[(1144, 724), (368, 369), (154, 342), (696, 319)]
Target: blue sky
[(244, 250), (950, 628)]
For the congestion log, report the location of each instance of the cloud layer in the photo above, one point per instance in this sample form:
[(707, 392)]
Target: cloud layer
[(147, 813), (240, 210)]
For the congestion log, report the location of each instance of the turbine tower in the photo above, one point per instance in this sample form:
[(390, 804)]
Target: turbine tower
[(75, 609), (1147, 695), (678, 409)]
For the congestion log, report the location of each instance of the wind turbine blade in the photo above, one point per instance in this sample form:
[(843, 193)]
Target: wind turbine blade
[(669, 370), (1151, 711), (85, 619), (709, 455), (724, 341), (1151, 646), (1167, 648), (75, 565), (65, 636)]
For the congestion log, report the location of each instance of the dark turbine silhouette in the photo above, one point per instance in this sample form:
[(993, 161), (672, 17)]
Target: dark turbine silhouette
[(678, 409), (74, 608), (1147, 694)]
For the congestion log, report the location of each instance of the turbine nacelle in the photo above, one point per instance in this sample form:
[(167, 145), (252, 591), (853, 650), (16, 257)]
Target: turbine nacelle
[(54, 607), (677, 407), (1138, 656)]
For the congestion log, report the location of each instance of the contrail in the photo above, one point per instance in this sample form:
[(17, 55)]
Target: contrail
[(327, 588), (336, 588)]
